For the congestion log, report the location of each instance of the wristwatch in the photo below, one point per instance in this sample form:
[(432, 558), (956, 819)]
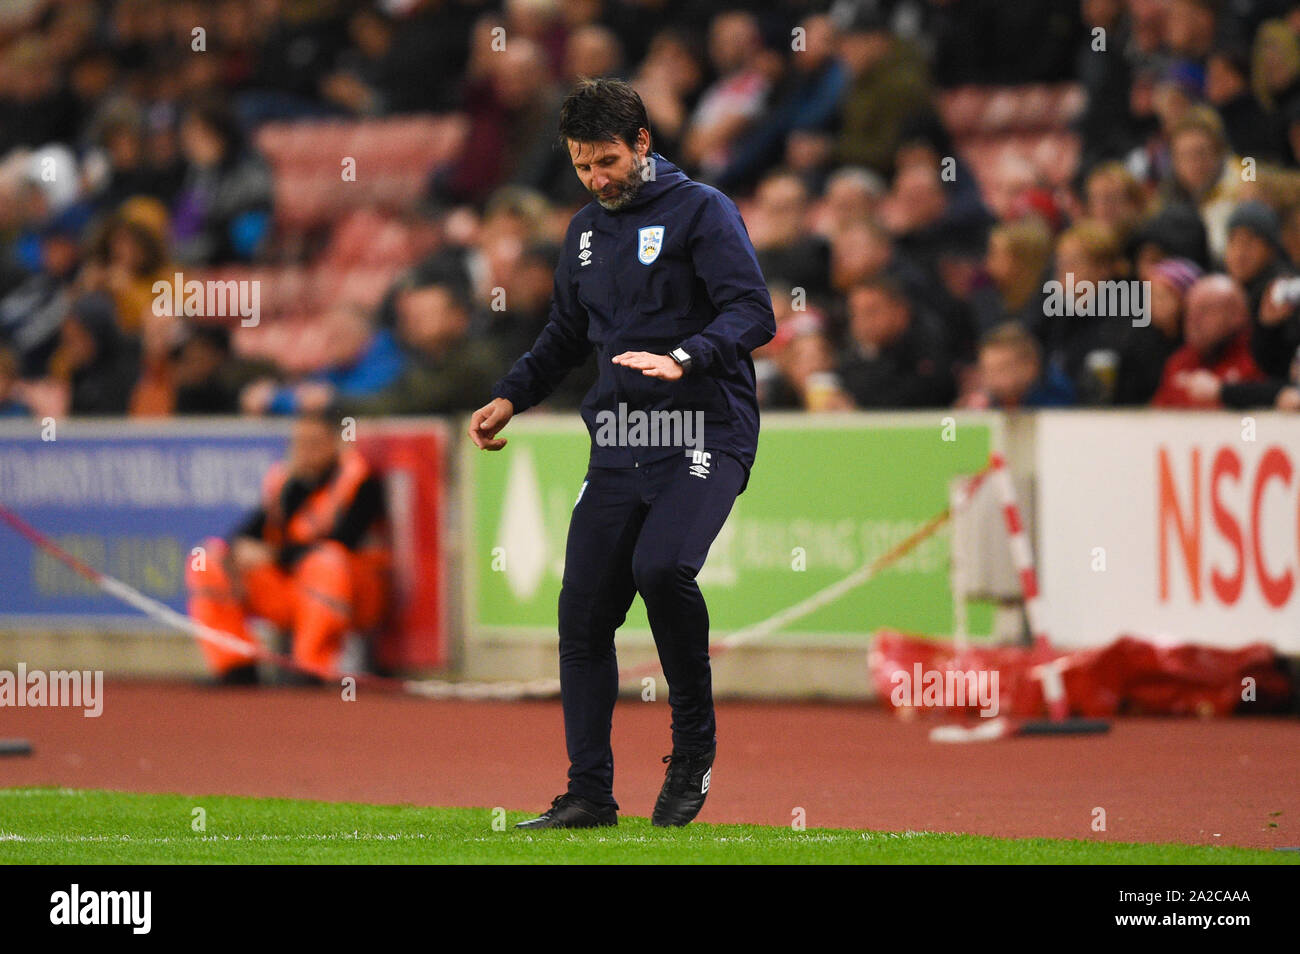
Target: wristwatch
[(681, 357)]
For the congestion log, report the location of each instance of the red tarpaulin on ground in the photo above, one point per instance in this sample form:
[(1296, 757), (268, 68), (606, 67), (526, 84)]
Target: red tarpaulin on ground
[(1129, 676)]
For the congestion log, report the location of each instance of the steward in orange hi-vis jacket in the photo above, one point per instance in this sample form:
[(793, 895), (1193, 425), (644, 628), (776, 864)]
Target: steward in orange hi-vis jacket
[(313, 559)]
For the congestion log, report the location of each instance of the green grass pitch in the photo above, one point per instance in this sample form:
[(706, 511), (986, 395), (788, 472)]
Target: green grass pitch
[(66, 826)]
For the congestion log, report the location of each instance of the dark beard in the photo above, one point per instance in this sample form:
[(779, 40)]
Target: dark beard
[(627, 190)]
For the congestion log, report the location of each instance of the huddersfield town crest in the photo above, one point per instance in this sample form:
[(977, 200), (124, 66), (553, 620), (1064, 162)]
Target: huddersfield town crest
[(651, 242)]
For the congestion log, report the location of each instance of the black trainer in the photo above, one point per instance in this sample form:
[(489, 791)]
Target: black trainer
[(573, 811), (686, 783)]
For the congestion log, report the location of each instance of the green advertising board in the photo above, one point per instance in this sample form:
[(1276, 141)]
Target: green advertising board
[(827, 495)]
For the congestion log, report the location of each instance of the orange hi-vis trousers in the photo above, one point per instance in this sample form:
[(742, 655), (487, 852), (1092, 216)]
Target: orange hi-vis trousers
[(330, 591)]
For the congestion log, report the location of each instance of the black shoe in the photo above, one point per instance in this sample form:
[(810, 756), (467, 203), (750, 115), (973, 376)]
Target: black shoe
[(686, 783), (573, 811)]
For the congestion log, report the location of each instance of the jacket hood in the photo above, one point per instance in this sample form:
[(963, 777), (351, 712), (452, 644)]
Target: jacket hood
[(666, 178)]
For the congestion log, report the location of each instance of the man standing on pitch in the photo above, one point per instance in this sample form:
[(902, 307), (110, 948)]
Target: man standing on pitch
[(659, 276)]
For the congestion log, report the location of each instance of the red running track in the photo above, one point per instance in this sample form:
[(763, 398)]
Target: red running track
[(1176, 780)]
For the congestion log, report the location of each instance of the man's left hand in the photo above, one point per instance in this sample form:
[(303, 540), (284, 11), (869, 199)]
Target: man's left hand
[(651, 365)]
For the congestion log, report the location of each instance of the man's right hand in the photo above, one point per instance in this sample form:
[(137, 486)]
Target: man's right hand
[(488, 421)]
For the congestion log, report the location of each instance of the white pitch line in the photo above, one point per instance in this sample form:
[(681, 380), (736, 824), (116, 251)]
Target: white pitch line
[(170, 840), (32, 792)]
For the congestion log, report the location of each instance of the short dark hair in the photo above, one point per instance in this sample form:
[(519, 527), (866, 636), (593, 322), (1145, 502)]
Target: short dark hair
[(602, 110), (886, 285)]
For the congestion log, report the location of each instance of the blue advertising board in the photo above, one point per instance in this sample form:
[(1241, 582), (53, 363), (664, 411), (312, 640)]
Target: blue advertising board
[(131, 501)]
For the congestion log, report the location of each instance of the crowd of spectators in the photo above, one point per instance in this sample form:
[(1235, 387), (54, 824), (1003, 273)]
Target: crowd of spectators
[(903, 273)]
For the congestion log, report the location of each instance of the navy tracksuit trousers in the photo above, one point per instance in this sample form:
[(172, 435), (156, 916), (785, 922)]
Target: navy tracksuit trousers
[(645, 529)]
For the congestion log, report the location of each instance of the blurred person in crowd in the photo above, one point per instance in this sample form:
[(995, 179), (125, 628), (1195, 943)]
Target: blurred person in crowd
[(312, 559), (92, 77), (1253, 257), (511, 109), (443, 367), (1011, 373), (1010, 180), (927, 227), (31, 315), (1275, 328), (539, 22), (1255, 260), (1085, 347), (1190, 31), (1275, 73), (1174, 231), (35, 106), (1112, 195), (805, 107), (806, 378), (1148, 159), (527, 287), (735, 100), (359, 361), (889, 82), (127, 254), (1016, 266), (1282, 394), (94, 359), (1204, 173), (865, 250), (1217, 336), (1146, 350), (894, 358), (1249, 129), (852, 195), (669, 81), (590, 51), (924, 141), (860, 250), (775, 386), (128, 170), (1105, 126), (223, 210), (368, 78), (787, 249), (202, 372), (945, 237), (11, 401), (185, 369)]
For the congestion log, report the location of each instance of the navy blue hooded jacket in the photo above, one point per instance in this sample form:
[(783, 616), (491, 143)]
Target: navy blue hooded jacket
[(674, 268)]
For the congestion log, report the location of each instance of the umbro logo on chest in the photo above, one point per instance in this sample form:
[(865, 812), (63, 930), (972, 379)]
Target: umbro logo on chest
[(649, 240)]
